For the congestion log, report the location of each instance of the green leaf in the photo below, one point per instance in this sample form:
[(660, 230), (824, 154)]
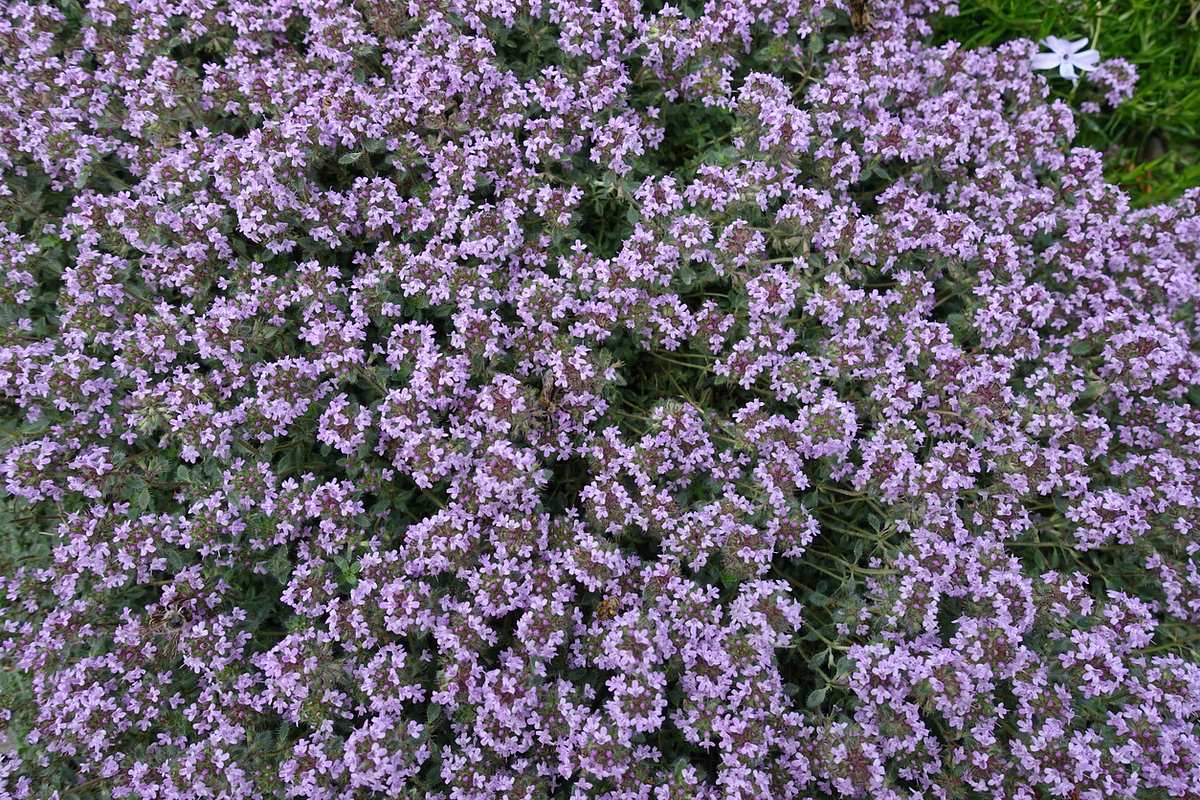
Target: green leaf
[(1094, 391), (280, 566), (816, 697), (350, 158)]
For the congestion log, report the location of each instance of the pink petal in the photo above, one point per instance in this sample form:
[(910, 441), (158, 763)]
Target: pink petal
[(1087, 60), (1057, 45), (1046, 60)]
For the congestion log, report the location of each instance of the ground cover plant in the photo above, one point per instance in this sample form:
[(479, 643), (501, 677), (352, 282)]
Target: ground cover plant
[(1151, 142), (584, 400)]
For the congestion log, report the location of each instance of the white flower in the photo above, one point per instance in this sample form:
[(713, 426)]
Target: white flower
[(1067, 57)]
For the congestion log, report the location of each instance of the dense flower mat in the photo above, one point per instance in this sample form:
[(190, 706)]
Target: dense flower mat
[(496, 399)]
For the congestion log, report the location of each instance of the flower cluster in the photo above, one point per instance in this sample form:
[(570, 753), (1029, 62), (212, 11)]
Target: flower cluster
[(483, 399)]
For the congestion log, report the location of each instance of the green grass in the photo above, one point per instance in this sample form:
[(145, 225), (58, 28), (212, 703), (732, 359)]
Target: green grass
[(1152, 142)]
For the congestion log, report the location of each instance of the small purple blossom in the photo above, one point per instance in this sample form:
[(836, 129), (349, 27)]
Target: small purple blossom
[(475, 400)]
